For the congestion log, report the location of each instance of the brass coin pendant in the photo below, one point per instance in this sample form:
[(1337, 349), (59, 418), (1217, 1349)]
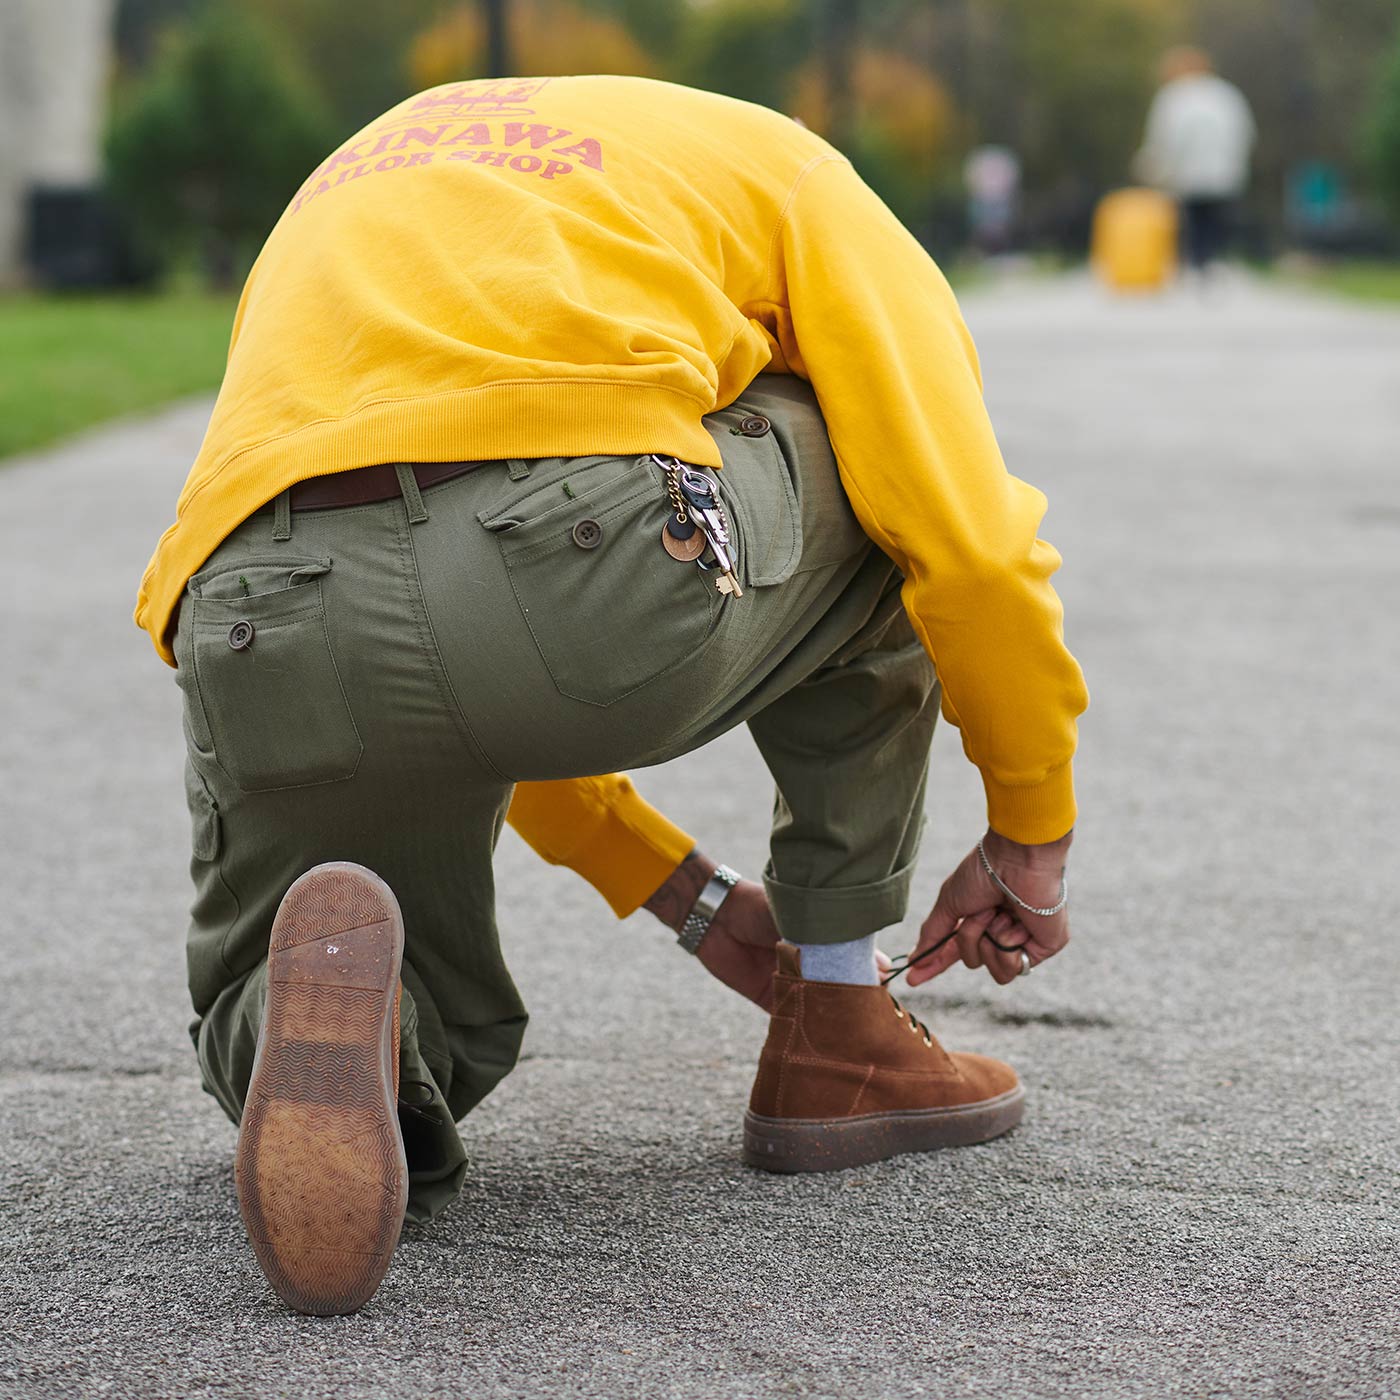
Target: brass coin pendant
[(687, 551)]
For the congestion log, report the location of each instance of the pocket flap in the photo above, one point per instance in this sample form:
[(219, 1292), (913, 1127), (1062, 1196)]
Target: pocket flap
[(251, 578), (760, 490), (559, 485)]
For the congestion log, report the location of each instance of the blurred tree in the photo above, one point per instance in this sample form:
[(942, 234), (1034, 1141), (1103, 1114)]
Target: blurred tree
[(901, 124), (1308, 67), (1065, 86), (497, 19), (1383, 135), (204, 152), (840, 37), (140, 23), (357, 55), (546, 37), (657, 24), (747, 48)]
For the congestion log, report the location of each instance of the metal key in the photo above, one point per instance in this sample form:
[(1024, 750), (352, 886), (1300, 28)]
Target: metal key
[(708, 514)]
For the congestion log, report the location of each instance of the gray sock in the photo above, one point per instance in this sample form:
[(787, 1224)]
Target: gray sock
[(852, 962)]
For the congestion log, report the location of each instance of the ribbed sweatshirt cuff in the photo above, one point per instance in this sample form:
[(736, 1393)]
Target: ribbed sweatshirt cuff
[(1035, 814), (604, 830)]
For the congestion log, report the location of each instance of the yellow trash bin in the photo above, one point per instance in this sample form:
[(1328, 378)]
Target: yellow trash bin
[(1134, 242)]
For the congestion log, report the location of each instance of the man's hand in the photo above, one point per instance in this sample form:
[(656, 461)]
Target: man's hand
[(975, 911), (739, 947)]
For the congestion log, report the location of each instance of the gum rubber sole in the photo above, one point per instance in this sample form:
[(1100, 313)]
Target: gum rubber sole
[(320, 1170), (830, 1144)]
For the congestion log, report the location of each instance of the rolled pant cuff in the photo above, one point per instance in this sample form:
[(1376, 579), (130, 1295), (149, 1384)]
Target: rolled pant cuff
[(806, 915)]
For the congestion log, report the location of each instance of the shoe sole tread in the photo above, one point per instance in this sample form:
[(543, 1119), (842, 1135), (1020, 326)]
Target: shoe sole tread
[(320, 1171)]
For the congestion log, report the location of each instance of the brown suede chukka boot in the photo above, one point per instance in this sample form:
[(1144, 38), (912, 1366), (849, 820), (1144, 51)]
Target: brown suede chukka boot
[(322, 1180), (848, 1076)]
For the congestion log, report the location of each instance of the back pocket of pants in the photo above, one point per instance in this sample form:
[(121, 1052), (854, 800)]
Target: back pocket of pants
[(608, 609), (265, 680)]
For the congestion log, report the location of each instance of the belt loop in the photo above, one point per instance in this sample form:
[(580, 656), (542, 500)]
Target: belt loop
[(413, 498), (282, 516), (519, 468)]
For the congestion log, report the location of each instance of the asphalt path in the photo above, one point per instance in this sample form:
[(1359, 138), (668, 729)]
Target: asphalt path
[(1203, 1199)]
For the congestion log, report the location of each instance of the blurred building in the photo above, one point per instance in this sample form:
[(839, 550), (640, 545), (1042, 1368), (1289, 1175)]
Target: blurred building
[(55, 57)]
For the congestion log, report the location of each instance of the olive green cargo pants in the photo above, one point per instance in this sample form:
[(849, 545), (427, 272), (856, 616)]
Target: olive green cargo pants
[(412, 659)]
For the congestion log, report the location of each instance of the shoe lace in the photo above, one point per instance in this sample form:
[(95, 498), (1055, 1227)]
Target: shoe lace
[(915, 1025), (421, 1104), (902, 962)]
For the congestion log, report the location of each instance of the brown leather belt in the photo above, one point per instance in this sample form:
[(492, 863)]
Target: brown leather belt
[(362, 486)]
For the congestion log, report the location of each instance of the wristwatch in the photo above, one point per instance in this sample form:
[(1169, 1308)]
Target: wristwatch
[(702, 912)]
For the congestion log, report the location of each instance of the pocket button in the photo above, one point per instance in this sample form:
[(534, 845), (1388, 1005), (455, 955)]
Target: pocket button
[(588, 534), (754, 425), (240, 635)]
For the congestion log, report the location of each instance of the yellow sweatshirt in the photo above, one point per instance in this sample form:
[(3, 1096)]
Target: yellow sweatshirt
[(567, 266)]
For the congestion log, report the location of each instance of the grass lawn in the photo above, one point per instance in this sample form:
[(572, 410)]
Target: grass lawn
[(72, 361), (1363, 281)]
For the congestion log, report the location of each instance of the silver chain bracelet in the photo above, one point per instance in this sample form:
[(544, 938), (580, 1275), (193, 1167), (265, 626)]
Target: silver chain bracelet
[(1016, 898)]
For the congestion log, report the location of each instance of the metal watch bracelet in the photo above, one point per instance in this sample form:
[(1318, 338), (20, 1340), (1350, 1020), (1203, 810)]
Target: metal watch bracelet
[(706, 906)]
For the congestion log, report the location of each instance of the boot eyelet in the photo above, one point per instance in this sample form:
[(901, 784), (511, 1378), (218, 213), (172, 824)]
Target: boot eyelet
[(928, 1041)]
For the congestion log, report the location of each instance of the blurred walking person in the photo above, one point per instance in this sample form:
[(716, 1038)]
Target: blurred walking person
[(992, 175), (1197, 146)]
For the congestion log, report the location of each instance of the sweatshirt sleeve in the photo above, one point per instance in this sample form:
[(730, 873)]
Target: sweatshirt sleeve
[(603, 829), (862, 311)]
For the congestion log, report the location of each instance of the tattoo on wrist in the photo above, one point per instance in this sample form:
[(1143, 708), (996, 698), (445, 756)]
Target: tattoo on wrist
[(674, 900)]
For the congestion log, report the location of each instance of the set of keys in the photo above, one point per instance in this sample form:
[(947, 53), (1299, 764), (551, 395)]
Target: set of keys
[(698, 523)]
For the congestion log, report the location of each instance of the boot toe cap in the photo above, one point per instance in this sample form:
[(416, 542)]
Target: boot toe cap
[(984, 1077)]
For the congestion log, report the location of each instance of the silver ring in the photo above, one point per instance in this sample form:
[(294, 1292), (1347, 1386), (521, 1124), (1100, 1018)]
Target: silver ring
[(1025, 964)]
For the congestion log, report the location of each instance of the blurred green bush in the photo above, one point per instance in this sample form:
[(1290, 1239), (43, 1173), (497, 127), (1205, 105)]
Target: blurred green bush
[(204, 151)]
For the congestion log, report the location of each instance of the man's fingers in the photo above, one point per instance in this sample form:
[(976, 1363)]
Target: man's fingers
[(1003, 959), (933, 965), (1001, 924), (971, 923), (1047, 936), (936, 928), (1043, 944), (969, 939), (1001, 947)]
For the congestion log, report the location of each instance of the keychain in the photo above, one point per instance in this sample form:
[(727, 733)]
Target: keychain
[(698, 522)]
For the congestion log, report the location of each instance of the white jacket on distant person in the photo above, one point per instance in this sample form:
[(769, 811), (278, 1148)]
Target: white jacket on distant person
[(1200, 133)]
